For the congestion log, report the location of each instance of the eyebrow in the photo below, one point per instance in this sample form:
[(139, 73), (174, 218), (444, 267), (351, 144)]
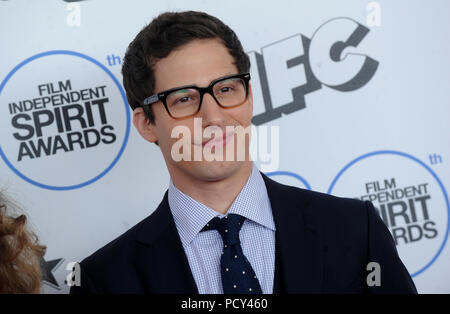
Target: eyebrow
[(182, 90), (190, 85)]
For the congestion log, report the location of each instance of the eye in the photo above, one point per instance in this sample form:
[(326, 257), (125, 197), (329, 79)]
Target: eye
[(184, 99), (225, 89)]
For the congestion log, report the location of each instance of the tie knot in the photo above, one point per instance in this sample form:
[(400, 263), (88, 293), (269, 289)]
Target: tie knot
[(228, 227)]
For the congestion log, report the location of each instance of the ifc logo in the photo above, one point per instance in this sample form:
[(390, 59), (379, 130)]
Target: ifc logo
[(408, 196), (65, 120)]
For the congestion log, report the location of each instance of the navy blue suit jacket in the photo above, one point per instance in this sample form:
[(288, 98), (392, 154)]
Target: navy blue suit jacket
[(323, 245)]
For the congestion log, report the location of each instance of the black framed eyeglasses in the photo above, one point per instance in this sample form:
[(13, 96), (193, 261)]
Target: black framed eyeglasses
[(185, 101)]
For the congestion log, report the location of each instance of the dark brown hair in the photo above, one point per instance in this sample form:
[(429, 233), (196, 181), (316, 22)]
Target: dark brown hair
[(20, 254), (158, 39)]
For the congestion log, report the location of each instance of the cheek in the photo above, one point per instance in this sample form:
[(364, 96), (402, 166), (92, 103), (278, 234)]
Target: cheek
[(179, 130), (164, 123), (244, 114), (165, 132)]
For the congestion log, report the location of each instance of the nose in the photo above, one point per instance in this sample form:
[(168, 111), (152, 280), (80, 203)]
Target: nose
[(210, 112)]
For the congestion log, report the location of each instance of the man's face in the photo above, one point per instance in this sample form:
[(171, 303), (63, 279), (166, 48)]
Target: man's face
[(196, 63)]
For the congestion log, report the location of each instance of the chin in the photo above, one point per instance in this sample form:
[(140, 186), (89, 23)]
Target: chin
[(213, 170)]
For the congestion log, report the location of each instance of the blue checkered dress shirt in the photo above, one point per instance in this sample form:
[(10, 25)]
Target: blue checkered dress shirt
[(203, 249)]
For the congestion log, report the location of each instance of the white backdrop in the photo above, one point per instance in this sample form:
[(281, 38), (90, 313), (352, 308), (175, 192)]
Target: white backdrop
[(359, 92)]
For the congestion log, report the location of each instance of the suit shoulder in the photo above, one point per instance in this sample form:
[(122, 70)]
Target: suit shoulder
[(324, 203), (339, 220), (304, 196), (335, 204), (328, 212)]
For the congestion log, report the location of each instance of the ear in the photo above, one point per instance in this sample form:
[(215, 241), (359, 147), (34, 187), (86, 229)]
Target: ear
[(146, 130)]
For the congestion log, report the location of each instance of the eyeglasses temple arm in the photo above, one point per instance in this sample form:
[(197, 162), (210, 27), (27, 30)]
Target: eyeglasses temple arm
[(150, 100)]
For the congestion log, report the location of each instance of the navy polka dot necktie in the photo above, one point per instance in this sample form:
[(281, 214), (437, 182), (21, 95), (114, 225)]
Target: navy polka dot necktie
[(237, 273)]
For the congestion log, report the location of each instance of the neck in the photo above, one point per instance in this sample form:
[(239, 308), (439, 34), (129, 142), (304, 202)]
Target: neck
[(218, 194)]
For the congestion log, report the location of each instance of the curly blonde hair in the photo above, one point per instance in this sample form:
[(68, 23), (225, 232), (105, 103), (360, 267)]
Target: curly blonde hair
[(20, 254)]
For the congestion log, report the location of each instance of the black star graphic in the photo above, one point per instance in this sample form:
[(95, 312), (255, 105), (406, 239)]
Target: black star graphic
[(47, 268)]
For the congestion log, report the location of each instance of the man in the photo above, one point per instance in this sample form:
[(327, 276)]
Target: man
[(223, 226)]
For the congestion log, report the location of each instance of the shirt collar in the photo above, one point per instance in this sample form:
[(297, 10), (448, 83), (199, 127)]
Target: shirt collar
[(191, 216)]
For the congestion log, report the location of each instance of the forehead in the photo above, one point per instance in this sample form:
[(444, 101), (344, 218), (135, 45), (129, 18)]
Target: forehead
[(198, 62)]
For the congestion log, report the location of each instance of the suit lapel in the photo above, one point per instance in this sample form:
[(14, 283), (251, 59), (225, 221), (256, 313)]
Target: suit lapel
[(300, 249), (160, 257)]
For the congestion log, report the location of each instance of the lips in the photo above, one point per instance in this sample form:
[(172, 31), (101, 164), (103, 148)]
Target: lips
[(218, 142)]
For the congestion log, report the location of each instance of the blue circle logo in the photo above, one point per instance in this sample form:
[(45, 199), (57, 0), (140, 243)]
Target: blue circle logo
[(376, 187), (65, 118)]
